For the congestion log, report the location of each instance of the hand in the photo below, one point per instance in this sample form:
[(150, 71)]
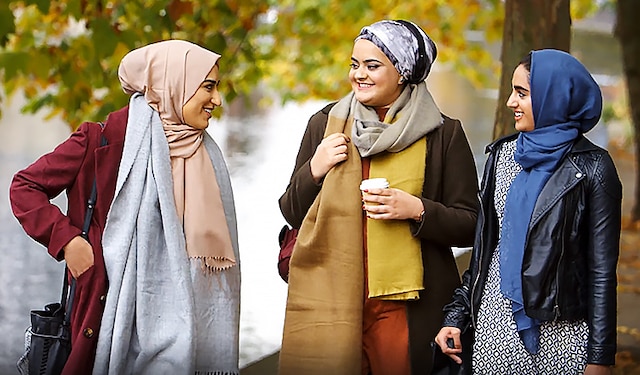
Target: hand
[(78, 254), (386, 204), (441, 339), (593, 369), (331, 151)]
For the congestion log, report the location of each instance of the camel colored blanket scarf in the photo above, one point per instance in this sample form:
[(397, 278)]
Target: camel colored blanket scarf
[(323, 322)]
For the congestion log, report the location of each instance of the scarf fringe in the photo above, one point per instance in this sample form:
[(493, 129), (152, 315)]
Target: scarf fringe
[(212, 264)]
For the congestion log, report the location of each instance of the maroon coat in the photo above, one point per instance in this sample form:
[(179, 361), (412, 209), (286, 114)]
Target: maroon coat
[(72, 167)]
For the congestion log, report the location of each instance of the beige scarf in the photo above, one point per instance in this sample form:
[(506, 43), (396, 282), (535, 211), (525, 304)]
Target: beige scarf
[(323, 321), (198, 199)]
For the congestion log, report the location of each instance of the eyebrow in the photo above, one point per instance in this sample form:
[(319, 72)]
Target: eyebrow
[(520, 88), (367, 60), (212, 81)]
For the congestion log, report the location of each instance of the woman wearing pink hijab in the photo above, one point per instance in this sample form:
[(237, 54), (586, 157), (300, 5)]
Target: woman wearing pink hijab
[(158, 281)]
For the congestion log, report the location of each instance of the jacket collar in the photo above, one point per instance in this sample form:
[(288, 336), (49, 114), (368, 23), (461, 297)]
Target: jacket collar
[(493, 146)]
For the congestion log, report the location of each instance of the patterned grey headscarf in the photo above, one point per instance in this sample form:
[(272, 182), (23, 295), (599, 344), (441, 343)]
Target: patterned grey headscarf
[(406, 45)]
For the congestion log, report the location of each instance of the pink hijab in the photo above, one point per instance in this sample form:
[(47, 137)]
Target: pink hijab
[(168, 74)]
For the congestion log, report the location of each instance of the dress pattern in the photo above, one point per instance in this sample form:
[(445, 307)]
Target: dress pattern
[(497, 348)]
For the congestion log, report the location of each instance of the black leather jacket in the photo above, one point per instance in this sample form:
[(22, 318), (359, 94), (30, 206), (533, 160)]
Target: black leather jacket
[(571, 254)]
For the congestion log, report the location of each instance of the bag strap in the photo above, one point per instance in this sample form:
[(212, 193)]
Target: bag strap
[(67, 304)]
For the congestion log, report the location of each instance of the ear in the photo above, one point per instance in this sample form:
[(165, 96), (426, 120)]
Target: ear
[(401, 80)]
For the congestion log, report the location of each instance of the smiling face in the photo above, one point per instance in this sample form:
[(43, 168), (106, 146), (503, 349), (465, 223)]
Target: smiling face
[(196, 112), (520, 100), (374, 79)]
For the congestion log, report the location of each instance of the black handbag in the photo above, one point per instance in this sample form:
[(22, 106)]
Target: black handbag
[(49, 336), (444, 365), (48, 339)]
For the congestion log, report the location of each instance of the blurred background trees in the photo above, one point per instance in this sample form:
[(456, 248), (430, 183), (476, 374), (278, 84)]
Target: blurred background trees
[(628, 33), (62, 55)]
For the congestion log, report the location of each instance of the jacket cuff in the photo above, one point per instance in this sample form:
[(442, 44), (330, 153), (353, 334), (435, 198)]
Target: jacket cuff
[(61, 236), (416, 226), (602, 355), (453, 320)]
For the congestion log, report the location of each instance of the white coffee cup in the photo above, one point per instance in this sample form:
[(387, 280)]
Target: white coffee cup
[(373, 183)]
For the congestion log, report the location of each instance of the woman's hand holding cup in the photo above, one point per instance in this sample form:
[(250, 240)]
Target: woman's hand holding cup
[(383, 203)]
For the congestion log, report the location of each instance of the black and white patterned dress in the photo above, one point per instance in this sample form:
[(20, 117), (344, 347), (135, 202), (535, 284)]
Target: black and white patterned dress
[(498, 348)]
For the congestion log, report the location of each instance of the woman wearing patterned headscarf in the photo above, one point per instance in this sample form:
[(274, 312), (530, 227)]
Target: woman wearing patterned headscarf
[(163, 231), (368, 278), (541, 287)]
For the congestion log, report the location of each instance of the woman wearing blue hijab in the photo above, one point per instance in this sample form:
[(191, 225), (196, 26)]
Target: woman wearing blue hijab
[(540, 292)]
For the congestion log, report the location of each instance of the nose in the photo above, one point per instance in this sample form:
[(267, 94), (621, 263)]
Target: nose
[(511, 101), (360, 73), (215, 98)]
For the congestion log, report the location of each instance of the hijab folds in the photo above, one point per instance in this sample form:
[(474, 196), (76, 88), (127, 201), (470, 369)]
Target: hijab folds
[(566, 102), (168, 74), (406, 45)]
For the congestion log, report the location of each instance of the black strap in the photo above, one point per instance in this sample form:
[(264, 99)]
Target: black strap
[(67, 304)]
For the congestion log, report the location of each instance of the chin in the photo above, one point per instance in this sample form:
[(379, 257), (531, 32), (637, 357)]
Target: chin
[(367, 100), (523, 128)]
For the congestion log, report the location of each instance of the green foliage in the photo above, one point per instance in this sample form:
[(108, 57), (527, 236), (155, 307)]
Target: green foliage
[(64, 54)]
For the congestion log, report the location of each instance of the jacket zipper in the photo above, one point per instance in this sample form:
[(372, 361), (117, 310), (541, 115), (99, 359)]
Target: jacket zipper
[(475, 282), (556, 307)]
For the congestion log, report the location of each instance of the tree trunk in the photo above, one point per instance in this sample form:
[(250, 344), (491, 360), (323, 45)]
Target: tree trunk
[(528, 25), (628, 32)]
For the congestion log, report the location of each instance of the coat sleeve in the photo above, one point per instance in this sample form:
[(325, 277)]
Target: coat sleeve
[(302, 190), (32, 189), (458, 312), (450, 218), (602, 259)]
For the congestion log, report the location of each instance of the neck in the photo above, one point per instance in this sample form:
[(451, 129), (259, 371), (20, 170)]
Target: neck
[(381, 111)]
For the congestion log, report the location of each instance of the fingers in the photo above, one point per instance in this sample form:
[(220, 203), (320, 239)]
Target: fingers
[(78, 254), (331, 151), (338, 136), (446, 337), (335, 147), (391, 203)]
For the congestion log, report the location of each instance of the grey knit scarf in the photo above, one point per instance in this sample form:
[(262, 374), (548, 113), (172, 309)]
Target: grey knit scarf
[(164, 314), (411, 117)]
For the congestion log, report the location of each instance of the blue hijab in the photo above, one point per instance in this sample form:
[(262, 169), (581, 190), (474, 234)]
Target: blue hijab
[(566, 103)]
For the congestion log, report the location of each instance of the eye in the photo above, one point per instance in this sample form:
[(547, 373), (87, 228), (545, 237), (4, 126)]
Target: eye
[(353, 65), (373, 66), (210, 84)]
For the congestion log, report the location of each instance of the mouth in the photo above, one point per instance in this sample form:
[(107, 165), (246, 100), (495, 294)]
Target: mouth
[(208, 110), (518, 115), (364, 85)]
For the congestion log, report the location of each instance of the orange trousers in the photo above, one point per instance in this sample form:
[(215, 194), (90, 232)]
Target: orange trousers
[(385, 338)]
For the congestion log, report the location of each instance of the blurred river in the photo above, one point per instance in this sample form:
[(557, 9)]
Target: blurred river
[(260, 150)]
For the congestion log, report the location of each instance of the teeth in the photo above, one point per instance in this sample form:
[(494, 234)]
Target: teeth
[(518, 114), (365, 85), (207, 110)]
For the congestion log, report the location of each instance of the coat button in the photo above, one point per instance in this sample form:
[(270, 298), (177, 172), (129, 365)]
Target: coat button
[(88, 333), (103, 298), (578, 175)]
